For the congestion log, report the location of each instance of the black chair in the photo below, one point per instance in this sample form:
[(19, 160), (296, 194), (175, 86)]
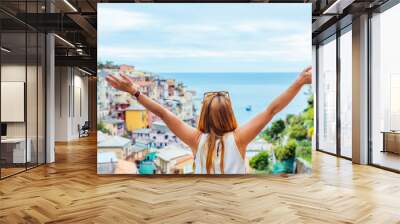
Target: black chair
[(84, 130)]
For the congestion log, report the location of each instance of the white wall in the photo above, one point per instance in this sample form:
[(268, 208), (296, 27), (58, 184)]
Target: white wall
[(33, 127), (12, 73), (71, 102), (81, 102), (61, 103)]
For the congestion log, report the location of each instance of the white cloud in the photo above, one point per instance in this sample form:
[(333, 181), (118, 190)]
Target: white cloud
[(117, 20), (250, 39), (187, 53), (298, 45), (263, 25), (192, 28), (247, 34), (296, 39), (249, 26)]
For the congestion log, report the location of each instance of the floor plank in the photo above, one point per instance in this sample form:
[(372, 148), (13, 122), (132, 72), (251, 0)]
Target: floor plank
[(70, 191)]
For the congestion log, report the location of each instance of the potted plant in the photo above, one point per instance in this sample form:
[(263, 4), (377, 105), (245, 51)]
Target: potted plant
[(260, 162), (286, 157)]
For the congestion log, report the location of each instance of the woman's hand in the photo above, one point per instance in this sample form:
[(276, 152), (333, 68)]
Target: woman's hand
[(124, 83), (247, 132), (306, 76)]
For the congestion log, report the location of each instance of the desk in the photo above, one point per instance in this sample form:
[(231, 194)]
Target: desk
[(391, 141), (15, 148)]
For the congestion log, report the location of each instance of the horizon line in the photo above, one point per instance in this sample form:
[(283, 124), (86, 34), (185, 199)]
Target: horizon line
[(216, 72), (229, 72)]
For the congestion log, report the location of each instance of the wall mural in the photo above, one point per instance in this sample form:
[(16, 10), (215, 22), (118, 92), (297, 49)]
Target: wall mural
[(204, 89)]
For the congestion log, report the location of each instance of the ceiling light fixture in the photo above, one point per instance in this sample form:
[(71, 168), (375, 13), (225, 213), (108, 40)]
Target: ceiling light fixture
[(86, 72), (79, 51), (65, 41), (70, 5), (337, 7), (5, 50)]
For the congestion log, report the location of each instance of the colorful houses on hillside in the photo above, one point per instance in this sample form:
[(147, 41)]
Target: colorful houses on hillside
[(130, 133)]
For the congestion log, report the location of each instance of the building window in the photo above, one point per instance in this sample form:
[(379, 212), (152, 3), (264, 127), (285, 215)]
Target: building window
[(346, 94), (385, 89), (327, 96)]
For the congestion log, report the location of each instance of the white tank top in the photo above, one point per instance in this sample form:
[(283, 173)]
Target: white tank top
[(233, 160)]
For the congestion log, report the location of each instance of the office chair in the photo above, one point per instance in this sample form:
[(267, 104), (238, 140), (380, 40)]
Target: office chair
[(84, 130)]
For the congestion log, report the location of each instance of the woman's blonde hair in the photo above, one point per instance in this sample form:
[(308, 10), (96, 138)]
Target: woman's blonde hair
[(216, 119)]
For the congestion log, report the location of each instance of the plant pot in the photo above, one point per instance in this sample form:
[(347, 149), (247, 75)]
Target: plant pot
[(284, 166)]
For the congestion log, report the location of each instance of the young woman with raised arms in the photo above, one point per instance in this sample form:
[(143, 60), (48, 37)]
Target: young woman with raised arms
[(218, 143)]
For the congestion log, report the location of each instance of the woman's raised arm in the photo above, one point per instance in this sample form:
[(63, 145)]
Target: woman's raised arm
[(183, 131), (246, 133)]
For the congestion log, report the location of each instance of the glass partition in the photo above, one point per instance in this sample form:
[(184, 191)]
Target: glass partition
[(31, 97), (22, 77), (13, 92), (327, 96)]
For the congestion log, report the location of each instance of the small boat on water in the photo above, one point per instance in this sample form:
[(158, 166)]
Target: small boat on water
[(248, 108)]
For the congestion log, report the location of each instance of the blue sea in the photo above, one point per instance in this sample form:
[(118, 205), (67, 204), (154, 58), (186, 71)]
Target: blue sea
[(245, 89)]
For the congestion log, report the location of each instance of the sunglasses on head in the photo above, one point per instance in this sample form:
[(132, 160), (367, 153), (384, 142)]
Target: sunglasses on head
[(216, 93)]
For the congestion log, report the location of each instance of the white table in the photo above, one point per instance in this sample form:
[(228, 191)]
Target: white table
[(19, 155)]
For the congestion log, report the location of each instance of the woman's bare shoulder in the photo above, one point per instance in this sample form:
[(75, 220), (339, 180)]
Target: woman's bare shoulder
[(242, 148), (197, 140)]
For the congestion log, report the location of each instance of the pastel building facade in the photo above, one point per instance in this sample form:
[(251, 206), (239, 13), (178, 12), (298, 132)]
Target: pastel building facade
[(115, 127), (161, 136), (175, 159), (136, 117)]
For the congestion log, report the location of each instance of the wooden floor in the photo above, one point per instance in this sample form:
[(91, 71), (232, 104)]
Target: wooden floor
[(387, 159), (5, 172), (70, 191)]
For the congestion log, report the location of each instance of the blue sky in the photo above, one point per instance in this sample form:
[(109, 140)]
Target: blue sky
[(251, 37)]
